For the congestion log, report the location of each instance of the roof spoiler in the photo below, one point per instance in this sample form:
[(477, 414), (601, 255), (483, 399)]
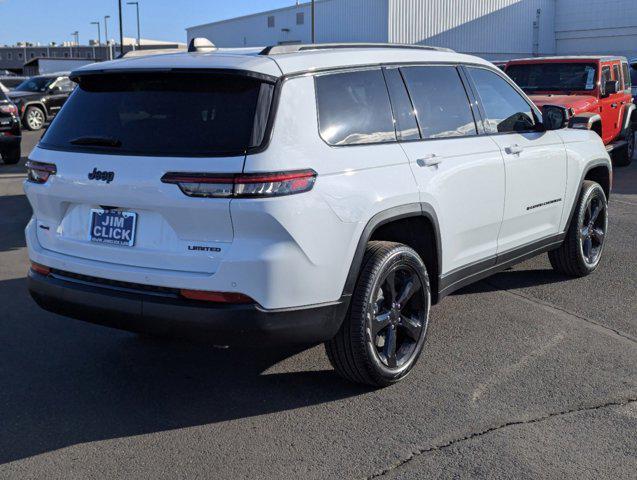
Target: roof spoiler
[(279, 49)]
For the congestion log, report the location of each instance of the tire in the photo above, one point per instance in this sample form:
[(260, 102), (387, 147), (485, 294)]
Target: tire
[(34, 118), (624, 156), (378, 318), (583, 246), (11, 156)]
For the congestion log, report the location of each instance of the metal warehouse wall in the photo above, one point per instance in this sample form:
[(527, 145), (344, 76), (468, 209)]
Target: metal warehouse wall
[(336, 21), (494, 29), (253, 30), (599, 26), (352, 21)]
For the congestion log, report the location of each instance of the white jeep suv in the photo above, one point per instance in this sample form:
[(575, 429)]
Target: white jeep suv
[(303, 194)]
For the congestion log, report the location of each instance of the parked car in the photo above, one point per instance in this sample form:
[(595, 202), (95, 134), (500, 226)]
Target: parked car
[(595, 89), (40, 98), (10, 134), (328, 193)]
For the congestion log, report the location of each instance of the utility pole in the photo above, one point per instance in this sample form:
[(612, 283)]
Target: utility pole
[(99, 36), (313, 24), (139, 40), (76, 34), (108, 47), (121, 29)]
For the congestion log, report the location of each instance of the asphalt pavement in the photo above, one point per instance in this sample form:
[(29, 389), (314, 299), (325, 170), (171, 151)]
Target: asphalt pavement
[(527, 374)]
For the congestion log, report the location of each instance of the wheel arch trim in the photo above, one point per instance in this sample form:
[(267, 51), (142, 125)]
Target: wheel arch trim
[(589, 166), (584, 120), (383, 218), (629, 113), (40, 105)]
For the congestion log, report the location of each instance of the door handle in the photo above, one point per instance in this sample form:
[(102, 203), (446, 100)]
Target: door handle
[(514, 149), (429, 160), (613, 105)]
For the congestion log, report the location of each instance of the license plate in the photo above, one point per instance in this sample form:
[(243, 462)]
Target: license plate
[(113, 226)]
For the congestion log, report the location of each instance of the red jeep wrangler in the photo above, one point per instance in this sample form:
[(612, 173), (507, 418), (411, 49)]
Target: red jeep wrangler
[(596, 90)]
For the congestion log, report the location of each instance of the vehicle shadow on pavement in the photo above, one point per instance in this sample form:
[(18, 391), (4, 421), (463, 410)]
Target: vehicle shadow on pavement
[(13, 169), (625, 180), (65, 382), (515, 279)]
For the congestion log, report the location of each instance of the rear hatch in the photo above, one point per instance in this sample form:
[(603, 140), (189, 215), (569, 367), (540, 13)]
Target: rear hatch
[(114, 140)]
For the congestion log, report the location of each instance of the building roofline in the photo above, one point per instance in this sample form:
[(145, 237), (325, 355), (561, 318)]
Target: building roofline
[(61, 59), (604, 58), (257, 14)]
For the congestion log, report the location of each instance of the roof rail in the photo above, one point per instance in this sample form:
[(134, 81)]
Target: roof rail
[(279, 49)]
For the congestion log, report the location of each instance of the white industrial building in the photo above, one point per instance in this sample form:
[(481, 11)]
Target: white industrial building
[(494, 29)]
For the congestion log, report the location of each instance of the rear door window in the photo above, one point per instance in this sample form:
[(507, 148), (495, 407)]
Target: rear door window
[(627, 79), (168, 114), (354, 108), (441, 102), (618, 77), (504, 108)]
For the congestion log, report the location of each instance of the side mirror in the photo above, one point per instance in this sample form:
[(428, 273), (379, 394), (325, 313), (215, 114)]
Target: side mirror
[(611, 86), (54, 90), (554, 117)]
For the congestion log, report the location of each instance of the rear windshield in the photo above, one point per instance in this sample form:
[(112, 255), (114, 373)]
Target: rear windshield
[(551, 77), (168, 114)]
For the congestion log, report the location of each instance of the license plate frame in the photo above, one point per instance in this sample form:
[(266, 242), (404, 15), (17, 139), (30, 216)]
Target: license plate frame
[(113, 227)]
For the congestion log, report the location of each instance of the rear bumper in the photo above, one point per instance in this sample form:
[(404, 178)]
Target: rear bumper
[(169, 315), (10, 141)]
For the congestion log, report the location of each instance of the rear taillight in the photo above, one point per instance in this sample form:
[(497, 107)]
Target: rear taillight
[(216, 297), (38, 172), (10, 109), (247, 185), (41, 269)]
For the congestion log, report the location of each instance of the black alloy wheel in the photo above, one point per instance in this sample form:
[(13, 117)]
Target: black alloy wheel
[(581, 252), (384, 332), (593, 229), (398, 316)]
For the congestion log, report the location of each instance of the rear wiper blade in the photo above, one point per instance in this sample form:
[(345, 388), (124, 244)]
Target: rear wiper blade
[(97, 141)]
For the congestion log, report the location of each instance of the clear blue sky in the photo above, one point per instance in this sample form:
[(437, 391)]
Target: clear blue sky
[(53, 20)]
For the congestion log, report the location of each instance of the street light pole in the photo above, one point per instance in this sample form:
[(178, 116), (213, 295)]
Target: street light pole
[(139, 40), (108, 47), (75, 34), (99, 36), (313, 24), (121, 29)]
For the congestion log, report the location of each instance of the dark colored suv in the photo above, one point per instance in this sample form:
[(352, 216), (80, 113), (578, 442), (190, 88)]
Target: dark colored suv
[(40, 98), (10, 135)]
